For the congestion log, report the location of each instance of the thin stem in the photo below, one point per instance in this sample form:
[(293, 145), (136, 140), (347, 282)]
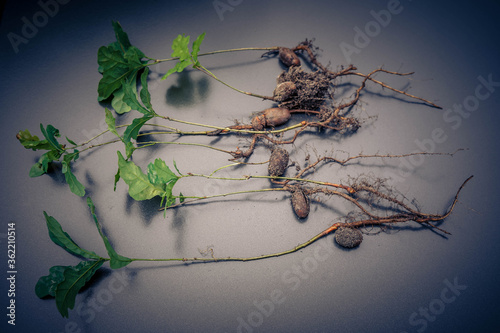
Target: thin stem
[(212, 75), (220, 195), (152, 143), (157, 61)]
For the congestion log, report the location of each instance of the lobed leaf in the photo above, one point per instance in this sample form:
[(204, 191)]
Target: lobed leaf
[(46, 285), (61, 238), (116, 260), (75, 277), (139, 186), (160, 174), (32, 141)]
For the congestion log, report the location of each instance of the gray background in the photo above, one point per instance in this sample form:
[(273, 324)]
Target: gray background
[(376, 288)]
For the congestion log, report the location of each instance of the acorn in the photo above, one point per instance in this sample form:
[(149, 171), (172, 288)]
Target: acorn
[(284, 91), (278, 162), (270, 117), (300, 203), (348, 237), (288, 57)]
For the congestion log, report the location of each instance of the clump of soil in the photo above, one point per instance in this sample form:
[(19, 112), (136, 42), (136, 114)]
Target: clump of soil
[(348, 237), (311, 88)]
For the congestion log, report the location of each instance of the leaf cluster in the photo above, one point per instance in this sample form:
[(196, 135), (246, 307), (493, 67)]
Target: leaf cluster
[(64, 282), (159, 181), (55, 151)]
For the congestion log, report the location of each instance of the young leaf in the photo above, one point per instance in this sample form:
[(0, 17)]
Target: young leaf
[(61, 238), (50, 135), (46, 285), (159, 173), (196, 49), (133, 129), (110, 120), (180, 47), (75, 277), (181, 50), (115, 70), (139, 186), (117, 261)]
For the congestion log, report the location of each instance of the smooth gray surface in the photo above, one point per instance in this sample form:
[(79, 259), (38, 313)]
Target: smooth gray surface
[(376, 288)]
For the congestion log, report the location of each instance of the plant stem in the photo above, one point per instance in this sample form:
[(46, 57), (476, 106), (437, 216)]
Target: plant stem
[(157, 61), (152, 143)]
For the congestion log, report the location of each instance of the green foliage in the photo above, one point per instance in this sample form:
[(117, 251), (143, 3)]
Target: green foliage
[(139, 186), (119, 62), (64, 282), (75, 277), (54, 152), (46, 285), (159, 180), (61, 238), (181, 50), (32, 141), (116, 260)]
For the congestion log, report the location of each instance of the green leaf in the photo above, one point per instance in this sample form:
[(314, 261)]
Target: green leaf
[(180, 47), (42, 166), (46, 285), (145, 95), (139, 186), (117, 178), (159, 173), (196, 49), (50, 135), (117, 261), (181, 197), (175, 166), (110, 120), (71, 141), (121, 36), (75, 277), (133, 129), (115, 70), (117, 102), (32, 141), (130, 97), (74, 184), (61, 238), (179, 67)]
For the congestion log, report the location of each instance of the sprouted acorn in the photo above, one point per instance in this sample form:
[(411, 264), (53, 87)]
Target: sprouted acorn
[(288, 57), (270, 117), (278, 162), (348, 237), (300, 202)]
